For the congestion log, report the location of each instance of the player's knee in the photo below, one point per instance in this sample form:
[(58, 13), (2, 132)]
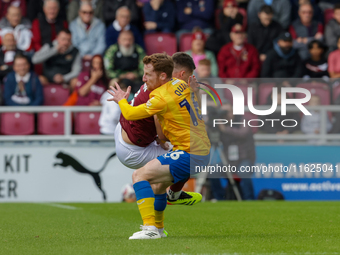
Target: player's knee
[(157, 188), (137, 176)]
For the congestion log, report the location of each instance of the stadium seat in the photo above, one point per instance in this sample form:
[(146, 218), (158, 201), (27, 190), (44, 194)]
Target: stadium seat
[(17, 123), (86, 123), (328, 13), (336, 93), (51, 123), (185, 42), (85, 65), (265, 90), (55, 95), (313, 84), (320, 89), (160, 42), (244, 88)]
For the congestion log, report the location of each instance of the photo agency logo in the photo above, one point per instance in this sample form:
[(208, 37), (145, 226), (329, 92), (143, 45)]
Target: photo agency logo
[(239, 109)]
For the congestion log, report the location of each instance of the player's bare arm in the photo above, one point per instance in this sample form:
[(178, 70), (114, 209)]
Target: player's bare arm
[(118, 94), (128, 111)]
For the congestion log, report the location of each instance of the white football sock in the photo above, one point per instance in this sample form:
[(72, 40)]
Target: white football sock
[(174, 195)]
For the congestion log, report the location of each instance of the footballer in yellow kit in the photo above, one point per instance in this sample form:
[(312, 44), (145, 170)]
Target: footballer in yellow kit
[(180, 117), (176, 107)]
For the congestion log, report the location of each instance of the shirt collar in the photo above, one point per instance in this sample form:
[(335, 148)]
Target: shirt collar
[(116, 26), (24, 78)]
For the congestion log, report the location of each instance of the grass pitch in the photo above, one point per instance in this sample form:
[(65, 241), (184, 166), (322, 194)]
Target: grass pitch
[(206, 228)]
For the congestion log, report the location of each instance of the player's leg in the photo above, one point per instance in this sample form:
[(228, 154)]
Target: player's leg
[(175, 194), (175, 190), (160, 205), (153, 172), (133, 156), (178, 197)]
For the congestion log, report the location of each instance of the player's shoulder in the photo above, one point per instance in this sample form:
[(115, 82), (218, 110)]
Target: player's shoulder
[(175, 81), (143, 89)]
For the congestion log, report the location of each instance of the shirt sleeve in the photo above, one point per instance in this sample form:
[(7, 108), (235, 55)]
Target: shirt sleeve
[(153, 106), (133, 112)]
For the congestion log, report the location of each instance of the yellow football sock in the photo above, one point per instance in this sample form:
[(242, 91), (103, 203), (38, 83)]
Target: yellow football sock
[(147, 210), (159, 219)]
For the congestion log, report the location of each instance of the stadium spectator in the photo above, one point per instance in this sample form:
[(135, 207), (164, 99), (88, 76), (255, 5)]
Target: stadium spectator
[(332, 31), (110, 11), (110, 115), (74, 6), (92, 84), (21, 28), (192, 13), (61, 60), (5, 4), (159, 16), (262, 34), (47, 25), (198, 52), (203, 69), (317, 12), (311, 124), (7, 54), (228, 17), (88, 33), (35, 9), (305, 29), (316, 66), (275, 127), (121, 23), (327, 4), (282, 9), (334, 62), (125, 59), (22, 87), (238, 59), (282, 61), (203, 73), (239, 147)]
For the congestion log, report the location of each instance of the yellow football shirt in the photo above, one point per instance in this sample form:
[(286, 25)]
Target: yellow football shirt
[(178, 112)]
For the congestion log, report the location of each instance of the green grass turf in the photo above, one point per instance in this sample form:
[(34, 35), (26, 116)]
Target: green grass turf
[(206, 228)]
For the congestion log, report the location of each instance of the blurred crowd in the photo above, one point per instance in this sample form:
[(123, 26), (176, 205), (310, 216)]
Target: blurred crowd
[(85, 46)]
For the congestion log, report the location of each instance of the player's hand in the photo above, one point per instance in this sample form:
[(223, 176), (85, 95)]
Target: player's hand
[(118, 94), (164, 145), (193, 83)]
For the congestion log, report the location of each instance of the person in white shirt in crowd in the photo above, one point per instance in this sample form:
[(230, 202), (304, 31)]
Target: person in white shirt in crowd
[(7, 54), (311, 124), (20, 26)]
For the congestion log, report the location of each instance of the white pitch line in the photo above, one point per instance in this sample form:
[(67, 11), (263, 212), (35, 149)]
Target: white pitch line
[(68, 207)]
